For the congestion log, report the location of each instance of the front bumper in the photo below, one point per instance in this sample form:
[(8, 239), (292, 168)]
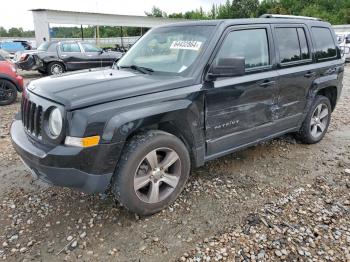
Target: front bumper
[(88, 170)]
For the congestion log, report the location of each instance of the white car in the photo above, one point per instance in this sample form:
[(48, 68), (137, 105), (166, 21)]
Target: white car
[(344, 44)]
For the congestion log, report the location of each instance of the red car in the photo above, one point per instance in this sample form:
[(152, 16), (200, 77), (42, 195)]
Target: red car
[(10, 82)]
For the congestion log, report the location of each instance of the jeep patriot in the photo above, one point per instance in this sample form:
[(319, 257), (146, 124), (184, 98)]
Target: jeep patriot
[(184, 94)]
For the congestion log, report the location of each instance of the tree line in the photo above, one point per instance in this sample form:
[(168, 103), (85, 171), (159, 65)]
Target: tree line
[(333, 11)]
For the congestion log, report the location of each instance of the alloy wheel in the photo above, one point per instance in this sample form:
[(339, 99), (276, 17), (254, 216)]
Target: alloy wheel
[(319, 120), (157, 175)]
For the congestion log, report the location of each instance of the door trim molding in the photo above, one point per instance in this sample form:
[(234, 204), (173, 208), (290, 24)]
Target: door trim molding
[(278, 125)]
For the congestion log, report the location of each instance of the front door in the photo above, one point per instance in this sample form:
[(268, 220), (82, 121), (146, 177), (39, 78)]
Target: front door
[(240, 110)]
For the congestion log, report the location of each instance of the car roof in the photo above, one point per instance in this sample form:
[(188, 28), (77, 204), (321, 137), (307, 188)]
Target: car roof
[(247, 21)]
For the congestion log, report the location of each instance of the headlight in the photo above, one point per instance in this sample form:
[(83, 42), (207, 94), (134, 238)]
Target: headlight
[(55, 123)]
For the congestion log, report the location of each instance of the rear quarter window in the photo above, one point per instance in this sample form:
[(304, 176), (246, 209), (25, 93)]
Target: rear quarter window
[(324, 43)]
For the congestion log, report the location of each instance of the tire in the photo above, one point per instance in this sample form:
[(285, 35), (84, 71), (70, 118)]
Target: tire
[(134, 183), (316, 120), (55, 68), (8, 92)]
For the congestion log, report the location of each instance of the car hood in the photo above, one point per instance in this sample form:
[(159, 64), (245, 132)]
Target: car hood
[(90, 87)]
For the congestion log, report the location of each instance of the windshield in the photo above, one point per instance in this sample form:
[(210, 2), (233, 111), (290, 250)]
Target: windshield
[(168, 49), (43, 47)]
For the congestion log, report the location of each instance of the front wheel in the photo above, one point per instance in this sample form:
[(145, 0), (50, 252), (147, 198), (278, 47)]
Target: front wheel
[(151, 173), (316, 121), (8, 92)]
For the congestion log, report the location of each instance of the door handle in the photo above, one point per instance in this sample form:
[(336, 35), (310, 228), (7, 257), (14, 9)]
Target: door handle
[(267, 83), (310, 74), (63, 55)]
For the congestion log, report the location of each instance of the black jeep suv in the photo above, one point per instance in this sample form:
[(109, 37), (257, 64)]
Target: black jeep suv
[(182, 95)]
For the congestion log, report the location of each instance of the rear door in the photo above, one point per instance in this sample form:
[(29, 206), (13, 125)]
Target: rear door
[(296, 72), (239, 110), (72, 55), (326, 52)]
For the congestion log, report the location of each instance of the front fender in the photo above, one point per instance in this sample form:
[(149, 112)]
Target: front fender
[(121, 125), (12, 80)]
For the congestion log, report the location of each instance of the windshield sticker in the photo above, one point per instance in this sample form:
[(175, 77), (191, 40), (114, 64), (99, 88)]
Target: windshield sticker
[(189, 45)]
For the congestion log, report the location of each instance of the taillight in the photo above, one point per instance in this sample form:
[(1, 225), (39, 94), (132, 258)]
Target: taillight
[(23, 57)]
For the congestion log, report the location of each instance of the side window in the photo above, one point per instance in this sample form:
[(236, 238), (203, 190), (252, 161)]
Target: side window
[(71, 47), (304, 47), (325, 46), (90, 48), (292, 44), (251, 44)]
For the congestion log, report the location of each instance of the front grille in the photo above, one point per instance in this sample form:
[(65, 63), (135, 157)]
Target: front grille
[(32, 115)]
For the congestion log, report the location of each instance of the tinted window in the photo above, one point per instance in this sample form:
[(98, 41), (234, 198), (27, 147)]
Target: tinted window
[(325, 47), (71, 47), (251, 44), (304, 47), (90, 48)]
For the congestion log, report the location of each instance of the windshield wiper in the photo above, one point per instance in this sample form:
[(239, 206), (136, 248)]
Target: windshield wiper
[(144, 70)]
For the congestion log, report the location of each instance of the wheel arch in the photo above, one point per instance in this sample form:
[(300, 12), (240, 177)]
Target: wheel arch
[(48, 62), (331, 93), (5, 77), (180, 118)]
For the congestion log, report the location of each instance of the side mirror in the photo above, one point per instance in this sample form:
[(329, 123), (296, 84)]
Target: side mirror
[(227, 67)]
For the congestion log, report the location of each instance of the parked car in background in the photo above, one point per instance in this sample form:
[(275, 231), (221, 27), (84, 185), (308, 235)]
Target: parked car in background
[(12, 47), (5, 54), (57, 57), (10, 82), (344, 44), (27, 45)]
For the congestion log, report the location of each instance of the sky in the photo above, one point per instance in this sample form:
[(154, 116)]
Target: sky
[(15, 13)]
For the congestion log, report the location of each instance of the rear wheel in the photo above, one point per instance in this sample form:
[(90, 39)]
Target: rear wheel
[(55, 68), (151, 173), (317, 121), (8, 92)]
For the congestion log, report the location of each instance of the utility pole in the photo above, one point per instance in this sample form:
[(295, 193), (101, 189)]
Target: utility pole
[(97, 35), (82, 32), (121, 37)]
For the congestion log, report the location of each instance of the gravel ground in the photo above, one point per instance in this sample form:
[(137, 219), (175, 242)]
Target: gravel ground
[(279, 200)]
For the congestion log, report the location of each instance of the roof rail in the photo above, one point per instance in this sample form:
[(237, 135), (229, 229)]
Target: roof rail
[(290, 17)]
